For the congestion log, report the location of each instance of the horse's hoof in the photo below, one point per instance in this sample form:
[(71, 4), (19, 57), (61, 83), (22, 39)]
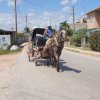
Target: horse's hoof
[(57, 70)]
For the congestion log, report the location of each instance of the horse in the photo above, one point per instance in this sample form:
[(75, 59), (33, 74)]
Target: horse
[(55, 48)]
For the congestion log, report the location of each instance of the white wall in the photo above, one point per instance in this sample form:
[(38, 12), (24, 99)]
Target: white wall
[(5, 39)]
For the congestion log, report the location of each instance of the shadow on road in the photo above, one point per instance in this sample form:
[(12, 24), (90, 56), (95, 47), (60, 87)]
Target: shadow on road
[(67, 68)]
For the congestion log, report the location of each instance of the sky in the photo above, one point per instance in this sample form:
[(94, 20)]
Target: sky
[(42, 13)]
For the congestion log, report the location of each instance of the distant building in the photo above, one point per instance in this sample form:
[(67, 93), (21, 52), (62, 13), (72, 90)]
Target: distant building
[(93, 19), (82, 23), (7, 37)]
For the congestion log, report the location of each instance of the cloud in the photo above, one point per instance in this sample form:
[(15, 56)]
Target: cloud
[(66, 9), (6, 20), (37, 19), (67, 4), (73, 1), (11, 2), (34, 19), (64, 2)]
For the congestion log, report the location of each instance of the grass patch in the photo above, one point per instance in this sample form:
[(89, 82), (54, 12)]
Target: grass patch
[(73, 50), (81, 48), (5, 52)]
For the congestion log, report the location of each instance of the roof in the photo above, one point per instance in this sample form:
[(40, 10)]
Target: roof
[(38, 31), (97, 9), (2, 32)]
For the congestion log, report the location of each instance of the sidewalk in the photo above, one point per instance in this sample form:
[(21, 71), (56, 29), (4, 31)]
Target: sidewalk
[(87, 52)]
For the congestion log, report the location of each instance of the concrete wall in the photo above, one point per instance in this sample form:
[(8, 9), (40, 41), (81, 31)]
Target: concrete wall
[(93, 20), (79, 26), (97, 15)]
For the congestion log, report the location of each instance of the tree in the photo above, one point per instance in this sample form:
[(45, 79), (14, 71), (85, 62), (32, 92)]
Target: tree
[(77, 36), (67, 28), (21, 34), (27, 30)]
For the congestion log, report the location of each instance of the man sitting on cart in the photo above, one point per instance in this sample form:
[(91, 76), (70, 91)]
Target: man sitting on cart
[(48, 35), (48, 42), (48, 32)]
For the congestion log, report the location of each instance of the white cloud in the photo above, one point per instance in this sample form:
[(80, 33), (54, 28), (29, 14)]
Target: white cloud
[(66, 9), (64, 2), (11, 2), (6, 20), (73, 1), (34, 19), (67, 4)]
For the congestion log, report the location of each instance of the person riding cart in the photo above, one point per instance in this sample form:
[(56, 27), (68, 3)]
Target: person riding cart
[(48, 42), (48, 32)]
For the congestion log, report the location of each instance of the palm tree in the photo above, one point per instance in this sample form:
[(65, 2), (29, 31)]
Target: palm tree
[(67, 28)]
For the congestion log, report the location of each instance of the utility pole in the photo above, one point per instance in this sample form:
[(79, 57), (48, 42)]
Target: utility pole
[(15, 11), (26, 17), (73, 19), (50, 21)]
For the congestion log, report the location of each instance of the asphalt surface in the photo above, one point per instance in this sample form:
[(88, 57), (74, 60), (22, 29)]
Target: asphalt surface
[(78, 79)]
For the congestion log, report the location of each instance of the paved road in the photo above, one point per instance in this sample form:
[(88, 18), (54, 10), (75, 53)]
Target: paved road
[(78, 79)]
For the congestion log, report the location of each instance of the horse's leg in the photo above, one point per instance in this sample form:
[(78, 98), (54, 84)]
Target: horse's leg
[(57, 64), (48, 62), (52, 62)]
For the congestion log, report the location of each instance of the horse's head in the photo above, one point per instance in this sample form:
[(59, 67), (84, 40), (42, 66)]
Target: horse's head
[(61, 37)]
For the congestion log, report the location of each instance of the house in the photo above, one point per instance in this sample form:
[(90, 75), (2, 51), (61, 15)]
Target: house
[(82, 23), (93, 19), (7, 37)]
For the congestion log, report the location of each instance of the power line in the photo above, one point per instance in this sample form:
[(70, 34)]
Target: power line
[(37, 5), (19, 12)]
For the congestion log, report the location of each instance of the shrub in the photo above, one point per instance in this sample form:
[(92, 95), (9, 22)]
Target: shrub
[(95, 41), (21, 35), (77, 36)]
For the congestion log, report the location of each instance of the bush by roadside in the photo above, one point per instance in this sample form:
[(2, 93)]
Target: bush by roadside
[(95, 41), (77, 36)]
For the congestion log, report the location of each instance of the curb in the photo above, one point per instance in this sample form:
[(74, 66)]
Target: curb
[(91, 53)]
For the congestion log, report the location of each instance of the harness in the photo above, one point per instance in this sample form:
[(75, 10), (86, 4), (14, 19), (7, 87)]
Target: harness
[(58, 45)]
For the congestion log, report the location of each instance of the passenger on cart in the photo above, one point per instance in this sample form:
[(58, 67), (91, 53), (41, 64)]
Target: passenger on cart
[(48, 32), (48, 35), (49, 41)]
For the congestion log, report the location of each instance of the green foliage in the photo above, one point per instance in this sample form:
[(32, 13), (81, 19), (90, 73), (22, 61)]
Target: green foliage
[(3, 52), (20, 34), (77, 36), (95, 41), (67, 28)]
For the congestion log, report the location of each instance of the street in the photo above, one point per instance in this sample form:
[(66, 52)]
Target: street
[(78, 79)]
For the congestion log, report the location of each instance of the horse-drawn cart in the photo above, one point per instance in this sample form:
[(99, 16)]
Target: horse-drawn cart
[(36, 44), (52, 52)]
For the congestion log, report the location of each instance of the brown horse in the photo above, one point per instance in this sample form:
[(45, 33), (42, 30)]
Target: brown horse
[(55, 48)]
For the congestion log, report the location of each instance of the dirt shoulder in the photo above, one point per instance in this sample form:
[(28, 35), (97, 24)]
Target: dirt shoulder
[(80, 50), (6, 62)]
